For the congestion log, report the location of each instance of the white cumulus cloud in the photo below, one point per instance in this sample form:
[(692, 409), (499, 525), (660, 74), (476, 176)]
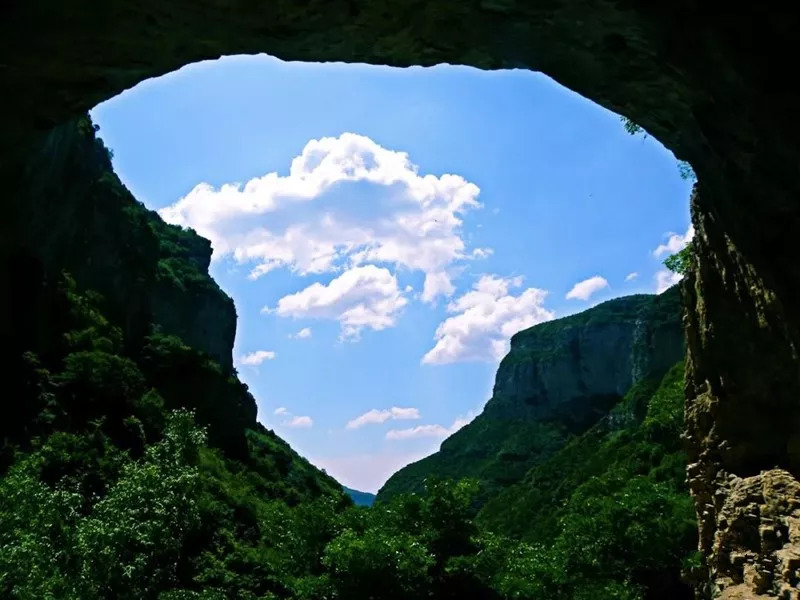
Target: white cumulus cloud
[(665, 279), (437, 284), (303, 334), (366, 296), (484, 320), (257, 357), (583, 290), (303, 421), (422, 431), (346, 201), (675, 243), (376, 416), (482, 252), (631, 276)]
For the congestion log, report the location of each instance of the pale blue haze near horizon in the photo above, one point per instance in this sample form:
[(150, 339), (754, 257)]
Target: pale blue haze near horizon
[(566, 195)]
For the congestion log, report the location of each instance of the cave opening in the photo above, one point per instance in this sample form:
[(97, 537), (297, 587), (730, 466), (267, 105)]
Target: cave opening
[(701, 79), (397, 193)]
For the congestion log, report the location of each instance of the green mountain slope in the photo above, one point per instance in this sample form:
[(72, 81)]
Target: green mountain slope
[(129, 438), (557, 380), (132, 466), (612, 504), (640, 436)]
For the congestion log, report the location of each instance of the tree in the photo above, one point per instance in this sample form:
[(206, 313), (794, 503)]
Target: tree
[(632, 127), (56, 543), (132, 542), (686, 171), (378, 564), (681, 261)]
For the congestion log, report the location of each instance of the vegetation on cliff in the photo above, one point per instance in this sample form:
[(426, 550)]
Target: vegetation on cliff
[(598, 501), (557, 380), (133, 466), (614, 498)]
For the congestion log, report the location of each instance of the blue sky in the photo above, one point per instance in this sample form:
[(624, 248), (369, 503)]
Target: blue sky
[(384, 231)]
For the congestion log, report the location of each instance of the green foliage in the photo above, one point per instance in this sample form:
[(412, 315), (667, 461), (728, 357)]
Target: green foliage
[(684, 168), (98, 376), (88, 328), (121, 495), (133, 466), (376, 563), (134, 538), (496, 451), (632, 127), (183, 258), (36, 534), (686, 171), (221, 402), (681, 261), (611, 508), (503, 443), (124, 545), (112, 494)]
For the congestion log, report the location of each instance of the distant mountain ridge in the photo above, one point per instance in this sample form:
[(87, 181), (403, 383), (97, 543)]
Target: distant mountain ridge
[(558, 379), (359, 498)]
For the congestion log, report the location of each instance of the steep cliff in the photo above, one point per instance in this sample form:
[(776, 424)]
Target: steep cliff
[(117, 345), (613, 501), (73, 213), (742, 417), (557, 380), (136, 305)]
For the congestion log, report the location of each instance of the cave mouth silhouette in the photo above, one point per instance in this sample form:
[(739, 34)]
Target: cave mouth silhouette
[(704, 80)]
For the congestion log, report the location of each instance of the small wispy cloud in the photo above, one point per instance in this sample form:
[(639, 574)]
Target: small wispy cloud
[(482, 252), (256, 358), (665, 279), (292, 420), (583, 290), (303, 421), (303, 334), (422, 431), (376, 416), (675, 243), (631, 276)]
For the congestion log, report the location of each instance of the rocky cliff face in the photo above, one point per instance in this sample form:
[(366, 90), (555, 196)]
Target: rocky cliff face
[(74, 214), (571, 369), (557, 380), (742, 421)]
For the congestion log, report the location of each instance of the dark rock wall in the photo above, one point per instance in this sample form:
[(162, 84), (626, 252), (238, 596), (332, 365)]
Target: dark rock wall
[(707, 79), (742, 412), (74, 214), (553, 370), (558, 379)]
